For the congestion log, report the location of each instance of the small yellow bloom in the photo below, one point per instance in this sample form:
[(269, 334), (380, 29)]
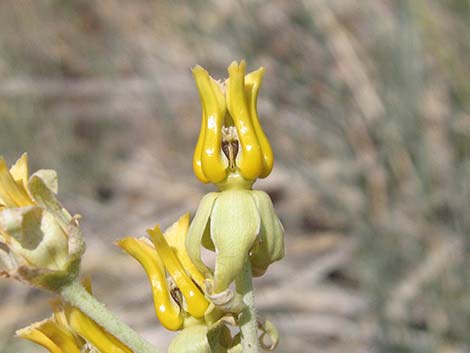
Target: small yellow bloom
[(42, 241), (231, 139), (68, 331), (178, 296)]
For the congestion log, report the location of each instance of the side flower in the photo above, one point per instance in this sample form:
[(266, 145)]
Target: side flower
[(40, 242), (174, 280)]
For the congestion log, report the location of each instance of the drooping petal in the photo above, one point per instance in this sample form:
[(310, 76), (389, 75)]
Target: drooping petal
[(252, 86), (176, 239), (198, 227), (234, 228), (196, 302), (95, 334), (270, 247), (167, 311), (11, 194), (211, 158), (250, 160)]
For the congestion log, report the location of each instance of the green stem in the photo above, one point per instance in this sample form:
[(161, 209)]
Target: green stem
[(247, 319), (76, 295)]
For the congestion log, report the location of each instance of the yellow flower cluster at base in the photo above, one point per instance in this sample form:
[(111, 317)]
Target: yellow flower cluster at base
[(71, 331)]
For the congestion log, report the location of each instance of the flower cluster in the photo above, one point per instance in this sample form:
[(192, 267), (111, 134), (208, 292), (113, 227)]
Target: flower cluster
[(41, 243)]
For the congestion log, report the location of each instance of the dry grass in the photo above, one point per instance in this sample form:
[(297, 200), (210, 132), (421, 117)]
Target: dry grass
[(367, 107)]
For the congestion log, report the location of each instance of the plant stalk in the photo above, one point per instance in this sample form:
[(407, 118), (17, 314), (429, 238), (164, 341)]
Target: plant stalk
[(247, 318), (76, 295)]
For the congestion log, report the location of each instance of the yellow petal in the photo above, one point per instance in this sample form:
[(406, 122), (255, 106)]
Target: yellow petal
[(20, 171), (213, 163), (252, 85), (250, 160), (166, 310), (93, 333), (52, 336), (197, 303), (11, 195), (40, 338), (176, 239)]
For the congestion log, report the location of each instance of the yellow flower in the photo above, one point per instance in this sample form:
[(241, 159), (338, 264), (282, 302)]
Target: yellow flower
[(231, 139), (68, 331), (178, 296), (42, 243), (232, 151)]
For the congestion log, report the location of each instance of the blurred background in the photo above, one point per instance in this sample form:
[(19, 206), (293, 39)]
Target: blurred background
[(367, 106)]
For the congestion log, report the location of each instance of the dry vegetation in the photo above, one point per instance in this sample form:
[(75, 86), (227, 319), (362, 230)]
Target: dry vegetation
[(366, 104)]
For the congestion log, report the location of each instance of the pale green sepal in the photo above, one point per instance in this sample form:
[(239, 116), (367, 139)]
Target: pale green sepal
[(196, 231), (270, 247), (45, 198), (218, 335), (50, 179), (234, 227), (37, 237), (191, 340)]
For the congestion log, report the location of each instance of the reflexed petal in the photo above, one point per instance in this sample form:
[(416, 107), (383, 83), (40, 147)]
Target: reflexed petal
[(196, 231), (166, 310), (196, 302), (176, 239), (234, 227), (271, 245)]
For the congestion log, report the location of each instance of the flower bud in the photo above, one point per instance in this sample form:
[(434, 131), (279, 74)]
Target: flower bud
[(42, 242)]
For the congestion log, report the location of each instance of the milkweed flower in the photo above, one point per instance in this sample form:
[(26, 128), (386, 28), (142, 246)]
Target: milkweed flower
[(40, 242), (232, 151), (71, 331), (174, 280)]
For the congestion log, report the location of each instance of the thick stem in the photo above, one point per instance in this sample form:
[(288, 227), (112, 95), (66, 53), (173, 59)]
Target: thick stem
[(247, 319), (76, 295)]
